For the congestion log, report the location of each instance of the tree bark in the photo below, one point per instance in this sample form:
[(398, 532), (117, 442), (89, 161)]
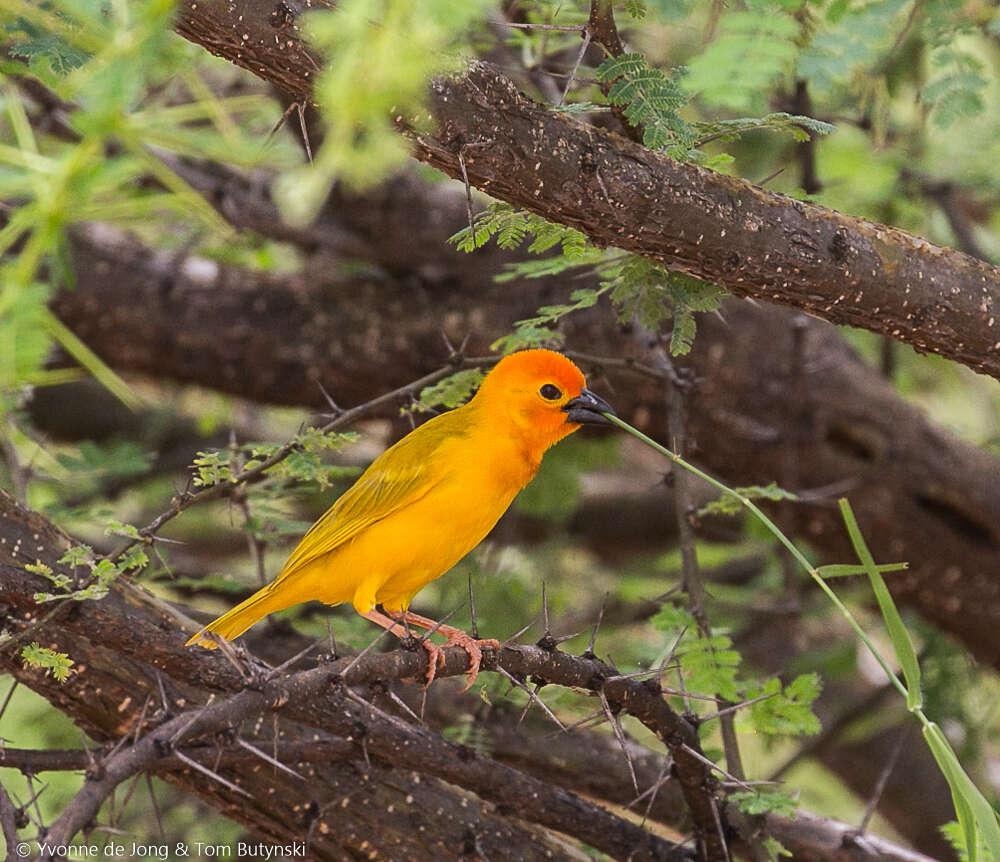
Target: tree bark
[(127, 651), (134, 681), (921, 495), (718, 228)]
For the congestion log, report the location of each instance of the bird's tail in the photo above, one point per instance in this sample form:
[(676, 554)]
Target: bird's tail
[(233, 623)]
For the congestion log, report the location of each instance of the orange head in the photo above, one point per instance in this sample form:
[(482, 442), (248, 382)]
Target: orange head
[(542, 394)]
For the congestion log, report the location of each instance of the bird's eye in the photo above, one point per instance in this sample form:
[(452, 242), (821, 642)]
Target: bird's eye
[(550, 392)]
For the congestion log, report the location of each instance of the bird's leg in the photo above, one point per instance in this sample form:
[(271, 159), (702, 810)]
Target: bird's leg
[(435, 655), (454, 637)]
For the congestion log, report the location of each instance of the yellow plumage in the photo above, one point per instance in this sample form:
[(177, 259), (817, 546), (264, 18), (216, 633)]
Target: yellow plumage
[(429, 499)]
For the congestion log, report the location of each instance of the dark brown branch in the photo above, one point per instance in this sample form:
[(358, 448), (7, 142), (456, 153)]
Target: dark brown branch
[(102, 697), (811, 837), (317, 697), (801, 105), (718, 228), (8, 821), (602, 29), (920, 494), (32, 761), (307, 695)]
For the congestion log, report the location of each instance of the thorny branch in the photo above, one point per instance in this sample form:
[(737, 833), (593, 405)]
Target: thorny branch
[(241, 478), (322, 697), (842, 269)]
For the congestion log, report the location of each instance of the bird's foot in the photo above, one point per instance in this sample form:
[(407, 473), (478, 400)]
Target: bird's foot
[(396, 620), (435, 659), (474, 648)]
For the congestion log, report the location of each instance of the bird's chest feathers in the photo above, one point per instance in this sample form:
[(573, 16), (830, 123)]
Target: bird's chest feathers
[(508, 465)]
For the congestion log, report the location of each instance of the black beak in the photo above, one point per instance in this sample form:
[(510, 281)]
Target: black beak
[(587, 408)]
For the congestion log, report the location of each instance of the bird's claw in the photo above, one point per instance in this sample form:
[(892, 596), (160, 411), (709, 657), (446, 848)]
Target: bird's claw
[(435, 659), (474, 648)]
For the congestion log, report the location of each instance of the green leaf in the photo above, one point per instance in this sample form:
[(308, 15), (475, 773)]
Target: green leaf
[(751, 53), (838, 570), (528, 336), (900, 637), (789, 711), (213, 468), (316, 440), (731, 504), (976, 816), (775, 849), (711, 664), (763, 801), (798, 126), (855, 38), (510, 228), (57, 664), (117, 528), (683, 332), (78, 555), (958, 93), (671, 617), (454, 390), (953, 833), (650, 292), (61, 56), (636, 8), (650, 100)]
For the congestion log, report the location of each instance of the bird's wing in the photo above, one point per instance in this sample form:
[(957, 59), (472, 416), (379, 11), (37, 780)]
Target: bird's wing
[(396, 479)]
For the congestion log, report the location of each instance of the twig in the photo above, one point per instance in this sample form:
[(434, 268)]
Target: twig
[(738, 781), (194, 764), (734, 707), (301, 109), (620, 736), (402, 704), (576, 65), (602, 29), (569, 28), (6, 700), (468, 194), (589, 651), (474, 626), (884, 778), (8, 821), (155, 804), (720, 829), (533, 697), (267, 757), (518, 634)]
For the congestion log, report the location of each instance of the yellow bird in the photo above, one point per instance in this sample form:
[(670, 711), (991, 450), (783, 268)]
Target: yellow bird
[(427, 501)]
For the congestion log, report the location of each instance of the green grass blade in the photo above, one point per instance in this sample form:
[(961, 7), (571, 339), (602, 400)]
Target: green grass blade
[(900, 637), (91, 361), (975, 815), (977, 818), (778, 534), (840, 570)]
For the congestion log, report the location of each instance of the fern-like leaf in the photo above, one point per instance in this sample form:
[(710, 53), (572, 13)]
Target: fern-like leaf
[(649, 99)]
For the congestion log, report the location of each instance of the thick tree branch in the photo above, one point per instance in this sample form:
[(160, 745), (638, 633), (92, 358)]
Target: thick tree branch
[(921, 494), (757, 243), (319, 698), (107, 691)]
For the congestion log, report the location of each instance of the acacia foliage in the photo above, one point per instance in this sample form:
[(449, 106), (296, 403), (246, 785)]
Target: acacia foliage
[(131, 99)]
